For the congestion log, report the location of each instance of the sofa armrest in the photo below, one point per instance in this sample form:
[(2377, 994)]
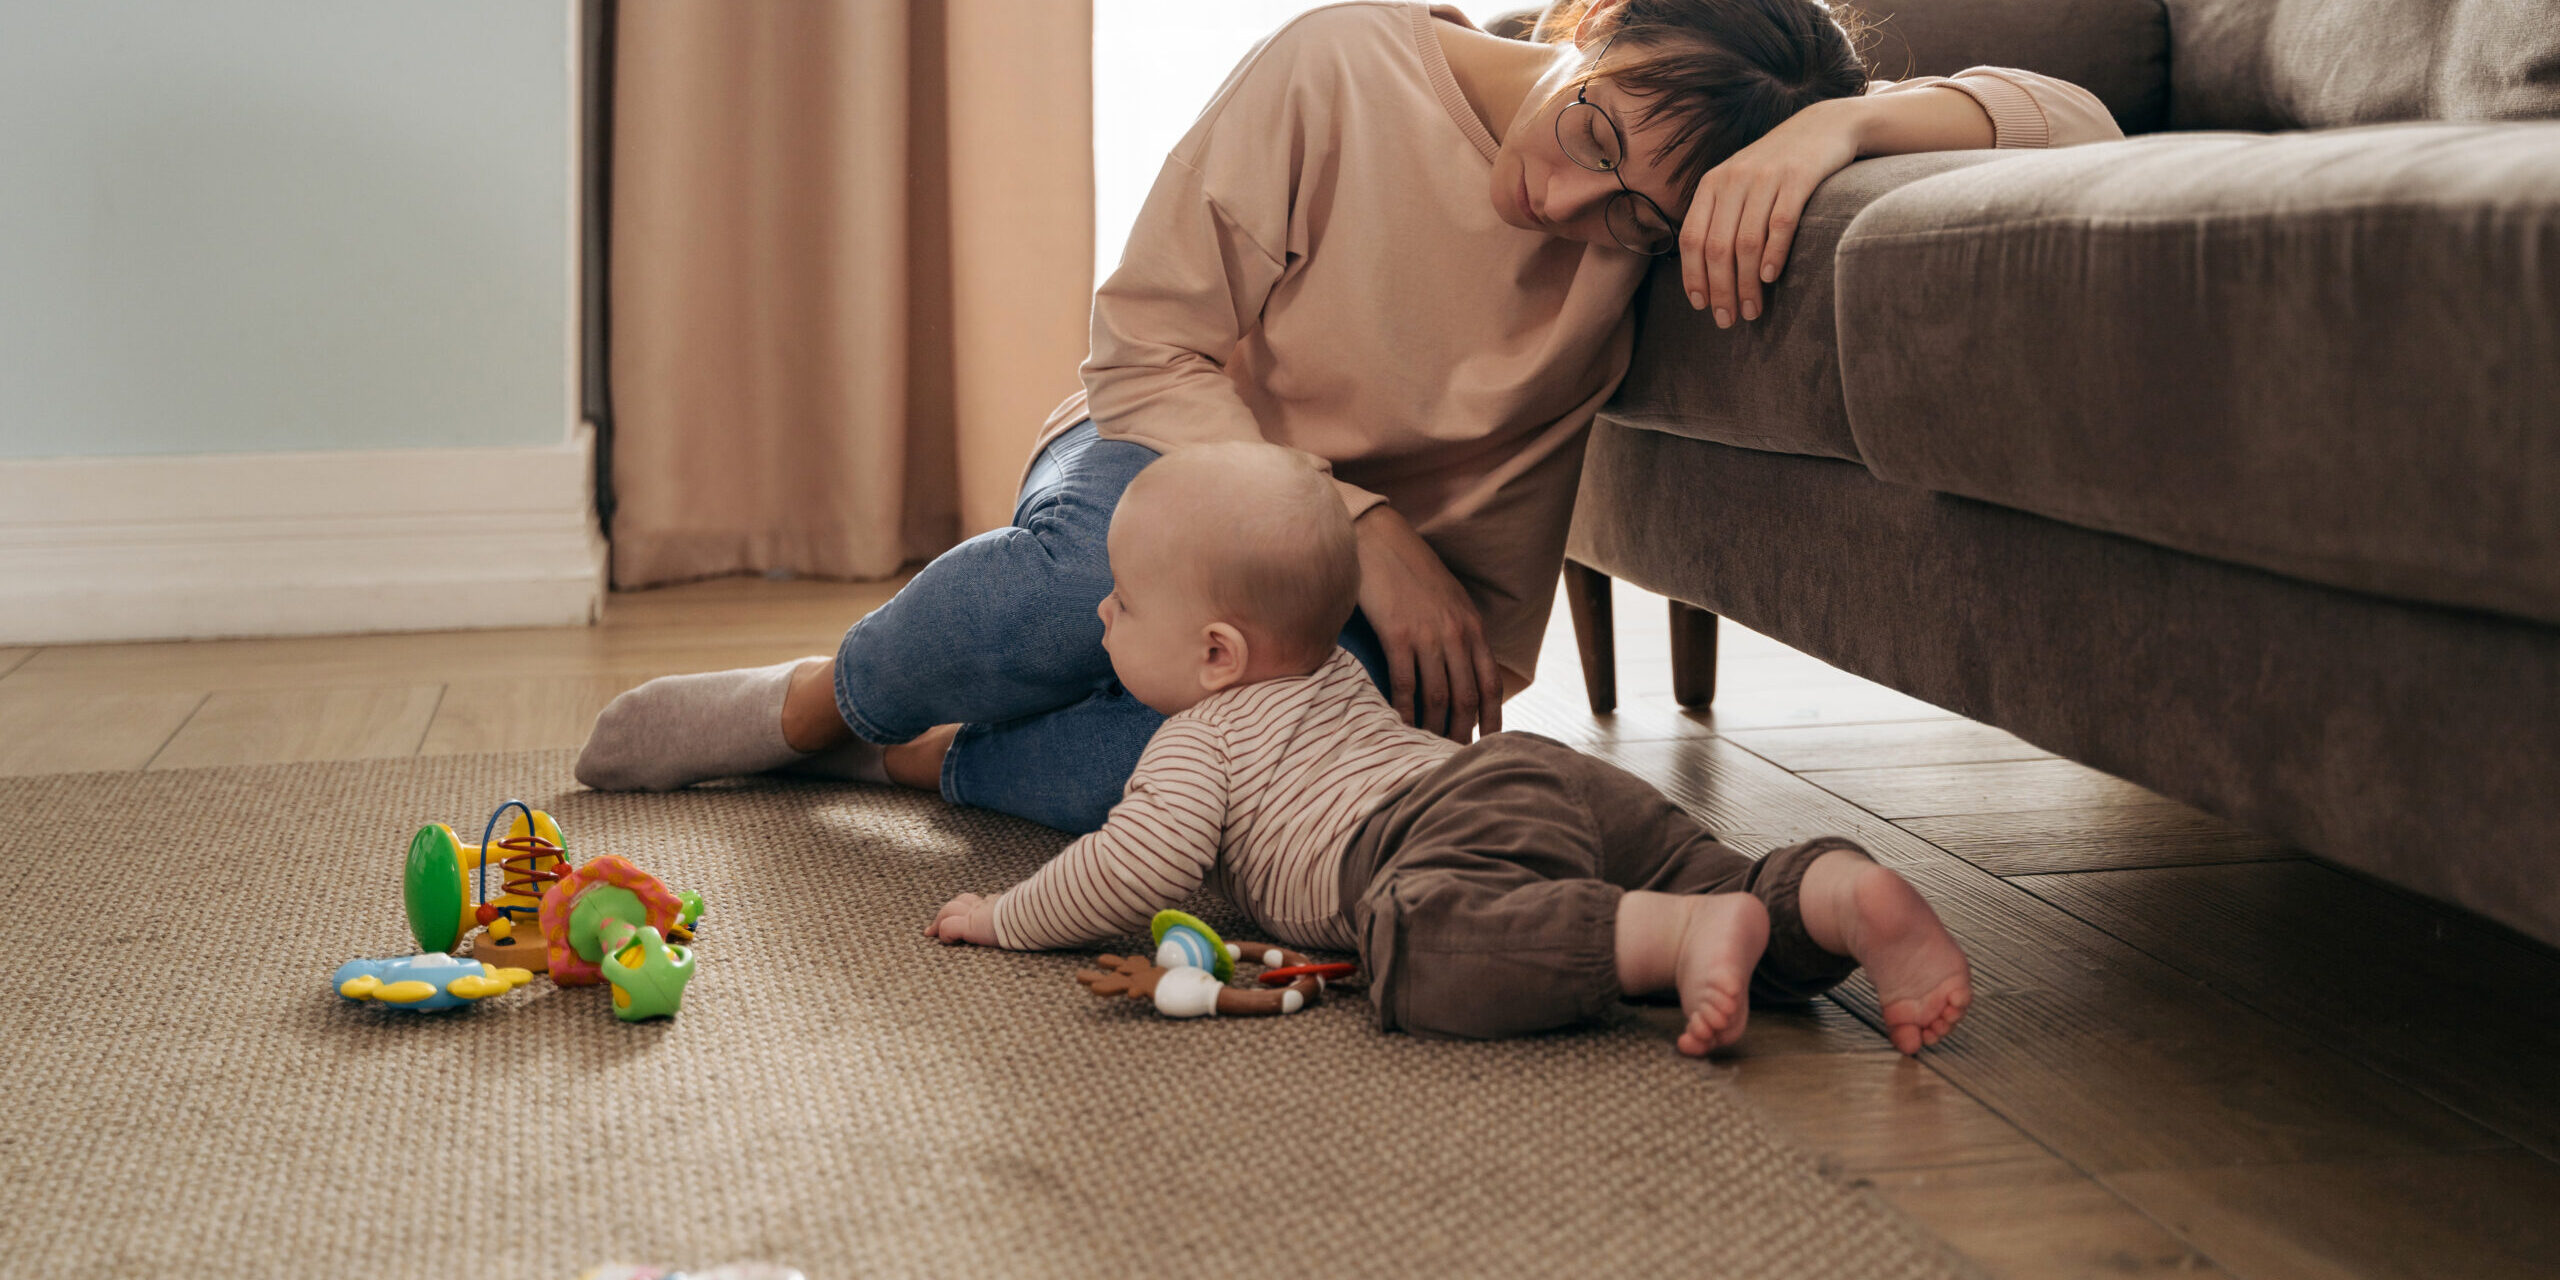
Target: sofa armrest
[(2116, 49)]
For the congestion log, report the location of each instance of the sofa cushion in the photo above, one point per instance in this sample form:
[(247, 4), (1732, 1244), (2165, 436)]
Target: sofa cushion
[(1771, 383), (2332, 355), (2289, 64)]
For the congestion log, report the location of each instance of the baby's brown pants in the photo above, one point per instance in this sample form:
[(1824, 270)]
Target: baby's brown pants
[(1485, 894)]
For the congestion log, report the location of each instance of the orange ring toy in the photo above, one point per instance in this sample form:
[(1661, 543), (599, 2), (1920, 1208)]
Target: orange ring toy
[(568, 968)]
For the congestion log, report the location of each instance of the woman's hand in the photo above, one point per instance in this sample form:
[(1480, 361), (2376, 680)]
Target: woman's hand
[(1743, 218), (967, 918), (1440, 671)]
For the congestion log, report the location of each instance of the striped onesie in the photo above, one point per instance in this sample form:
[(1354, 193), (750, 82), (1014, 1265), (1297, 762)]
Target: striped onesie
[(1262, 785)]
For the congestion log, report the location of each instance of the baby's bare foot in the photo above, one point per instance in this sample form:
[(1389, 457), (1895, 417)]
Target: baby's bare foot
[(1922, 981), (1719, 945)]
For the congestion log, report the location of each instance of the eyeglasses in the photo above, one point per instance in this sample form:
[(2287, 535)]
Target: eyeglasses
[(1591, 139)]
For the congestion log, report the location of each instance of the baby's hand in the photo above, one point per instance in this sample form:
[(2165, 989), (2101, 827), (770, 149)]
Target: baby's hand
[(967, 918)]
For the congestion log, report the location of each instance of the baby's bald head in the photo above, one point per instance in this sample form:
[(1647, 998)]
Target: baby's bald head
[(1258, 533)]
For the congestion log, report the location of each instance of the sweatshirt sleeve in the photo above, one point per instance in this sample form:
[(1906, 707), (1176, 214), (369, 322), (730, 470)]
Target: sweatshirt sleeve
[(1208, 247), (1155, 849), (2026, 109)]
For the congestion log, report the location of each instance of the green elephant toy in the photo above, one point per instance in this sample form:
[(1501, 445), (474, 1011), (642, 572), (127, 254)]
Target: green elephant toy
[(648, 974)]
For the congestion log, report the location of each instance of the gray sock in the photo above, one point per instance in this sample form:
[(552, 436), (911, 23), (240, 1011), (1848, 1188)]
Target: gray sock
[(678, 730), (856, 761)]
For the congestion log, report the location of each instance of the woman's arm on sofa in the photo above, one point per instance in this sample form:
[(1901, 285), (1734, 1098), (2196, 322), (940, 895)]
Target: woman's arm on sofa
[(1742, 219), (2021, 108)]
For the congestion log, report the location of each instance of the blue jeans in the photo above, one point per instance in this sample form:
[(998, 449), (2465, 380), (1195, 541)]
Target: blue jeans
[(999, 635)]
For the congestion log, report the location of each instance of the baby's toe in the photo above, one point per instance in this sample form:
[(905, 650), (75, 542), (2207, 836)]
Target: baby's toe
[(1704, 1032)]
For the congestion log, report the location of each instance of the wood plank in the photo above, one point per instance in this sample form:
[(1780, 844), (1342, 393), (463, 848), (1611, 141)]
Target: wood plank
[(521, 714), (288, 725), (2158, 834), (2039, 1218), (57, 732), (1815, 1027), (437, 658), (2459, 1009), (1652, 672), (2484, 1216), (1930, 791), (1886, 746), (10, 658), (2117, 1062), (1760, 684), (1560, 714), (1863, 1113), (1740, 704), (1756, 806), (1743, 704), (304, 662), (699, 629), (2103, 1054)]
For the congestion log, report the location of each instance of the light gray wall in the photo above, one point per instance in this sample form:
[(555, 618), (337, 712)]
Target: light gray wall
[(282, 224)]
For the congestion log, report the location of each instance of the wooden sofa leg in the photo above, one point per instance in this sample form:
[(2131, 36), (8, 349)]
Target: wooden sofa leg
[(1586, 592), (1693, 656)]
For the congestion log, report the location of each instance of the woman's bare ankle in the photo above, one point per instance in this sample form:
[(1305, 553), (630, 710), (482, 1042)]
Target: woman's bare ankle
[(810, 721), (918, 762)]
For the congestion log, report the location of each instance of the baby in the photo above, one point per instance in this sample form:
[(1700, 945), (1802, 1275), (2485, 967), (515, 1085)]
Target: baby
[(1497, 889)]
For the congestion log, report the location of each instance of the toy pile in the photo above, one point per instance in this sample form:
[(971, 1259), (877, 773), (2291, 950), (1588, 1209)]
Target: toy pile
[(605, 921), (1188, 976)]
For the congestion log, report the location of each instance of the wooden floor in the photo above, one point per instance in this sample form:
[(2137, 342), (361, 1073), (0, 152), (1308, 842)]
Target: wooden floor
[(2194, 1051)]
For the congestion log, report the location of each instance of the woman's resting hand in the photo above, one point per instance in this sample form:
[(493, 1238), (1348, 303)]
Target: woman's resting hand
[(1440, 671), (1743, 218)]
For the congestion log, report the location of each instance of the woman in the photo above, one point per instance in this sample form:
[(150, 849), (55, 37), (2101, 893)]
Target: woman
[(1408, 249)]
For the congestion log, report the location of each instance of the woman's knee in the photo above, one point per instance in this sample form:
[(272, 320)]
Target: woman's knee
[(1018, 595)]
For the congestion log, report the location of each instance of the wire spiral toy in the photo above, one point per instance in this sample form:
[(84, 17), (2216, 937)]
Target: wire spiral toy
[(522, 874)]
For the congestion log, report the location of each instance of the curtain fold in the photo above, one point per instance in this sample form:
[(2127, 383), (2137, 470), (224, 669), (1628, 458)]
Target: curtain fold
[(852, 265)]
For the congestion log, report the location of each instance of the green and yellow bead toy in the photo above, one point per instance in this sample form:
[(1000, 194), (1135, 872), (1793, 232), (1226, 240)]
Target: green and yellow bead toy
[(1184, 940)]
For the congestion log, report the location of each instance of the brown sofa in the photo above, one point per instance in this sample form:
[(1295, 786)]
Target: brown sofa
[(2225, 458)]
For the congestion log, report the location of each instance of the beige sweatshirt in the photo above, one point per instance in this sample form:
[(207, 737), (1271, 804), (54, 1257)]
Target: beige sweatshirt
[(1262, 785), (1320, 265)]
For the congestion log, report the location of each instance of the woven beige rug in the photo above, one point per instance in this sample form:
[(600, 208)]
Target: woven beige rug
[(187, 1096)]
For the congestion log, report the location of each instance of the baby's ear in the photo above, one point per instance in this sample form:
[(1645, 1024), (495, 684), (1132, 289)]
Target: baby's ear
[(1224, 658)]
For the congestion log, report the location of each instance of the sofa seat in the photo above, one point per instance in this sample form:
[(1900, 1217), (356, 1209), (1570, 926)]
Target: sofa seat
[(2333, 355)]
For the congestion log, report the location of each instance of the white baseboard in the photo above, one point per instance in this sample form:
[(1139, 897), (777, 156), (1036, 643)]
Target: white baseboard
[(213, 545)]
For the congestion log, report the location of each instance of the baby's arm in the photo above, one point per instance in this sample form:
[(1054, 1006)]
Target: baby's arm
[(1154, 850)]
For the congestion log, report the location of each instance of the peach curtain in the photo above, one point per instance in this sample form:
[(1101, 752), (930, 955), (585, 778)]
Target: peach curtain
[(851, 267)]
